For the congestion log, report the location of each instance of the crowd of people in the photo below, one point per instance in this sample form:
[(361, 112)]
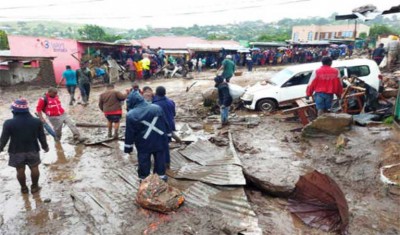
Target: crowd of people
[(145, 63)]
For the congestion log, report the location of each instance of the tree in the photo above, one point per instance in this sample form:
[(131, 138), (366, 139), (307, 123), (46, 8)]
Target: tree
[(363, 35), (21, 24), (3, 41), (277, 37), (92, 32), (377, 30), (217, 37)]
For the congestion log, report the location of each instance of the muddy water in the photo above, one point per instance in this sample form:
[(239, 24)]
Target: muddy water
[(104, 202)]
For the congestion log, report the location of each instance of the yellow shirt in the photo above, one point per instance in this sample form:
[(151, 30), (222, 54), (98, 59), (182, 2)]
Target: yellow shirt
[(146, 63)]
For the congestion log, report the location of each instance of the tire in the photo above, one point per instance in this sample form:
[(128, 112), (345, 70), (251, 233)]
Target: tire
[(266, 105)]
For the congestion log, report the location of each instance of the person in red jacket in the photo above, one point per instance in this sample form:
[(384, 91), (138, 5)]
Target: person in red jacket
[(326, 84), (51, 106)]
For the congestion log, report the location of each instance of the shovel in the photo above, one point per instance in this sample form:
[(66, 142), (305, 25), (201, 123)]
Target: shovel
[(188, 88), (48, 128)]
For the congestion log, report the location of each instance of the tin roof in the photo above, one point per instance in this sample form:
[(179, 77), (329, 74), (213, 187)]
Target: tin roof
[(106, 43), (216, 45), (217, 175), (170, 42), (269, 44), (230, 201), (200, 152)]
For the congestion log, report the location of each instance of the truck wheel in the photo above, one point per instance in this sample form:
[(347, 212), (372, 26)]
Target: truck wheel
[(266, 105)]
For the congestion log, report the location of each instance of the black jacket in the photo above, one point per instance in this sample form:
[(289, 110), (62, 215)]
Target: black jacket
[(379, 52), (224, 97), (24, 131)]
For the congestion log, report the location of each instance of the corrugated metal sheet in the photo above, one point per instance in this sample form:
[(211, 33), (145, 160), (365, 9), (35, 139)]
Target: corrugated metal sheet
[(100, 208), (177, 160), (270, 44), (176, 52), (130, 176), (218, 175), (230, 201), (88, 42), (213, 46), (207, 154), (170, 42)]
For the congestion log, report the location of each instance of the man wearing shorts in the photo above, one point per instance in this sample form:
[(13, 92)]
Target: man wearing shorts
[(110, 103), (24, 132), (325, 84)]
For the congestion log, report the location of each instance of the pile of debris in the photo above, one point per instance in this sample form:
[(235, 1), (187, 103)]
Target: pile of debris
[(391, 80)]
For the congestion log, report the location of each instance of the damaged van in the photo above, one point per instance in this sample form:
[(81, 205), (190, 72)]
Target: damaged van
[(291, 82)]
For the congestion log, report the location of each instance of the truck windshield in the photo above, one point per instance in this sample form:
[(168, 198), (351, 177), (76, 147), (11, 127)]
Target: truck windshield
[(281, 77)]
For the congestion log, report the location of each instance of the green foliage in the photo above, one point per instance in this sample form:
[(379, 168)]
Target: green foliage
[(377, 30), (363, 35), (388, 120), (218, 37), (3, 40), (247, 30), (92, 32), (280, 37), (96, 33)]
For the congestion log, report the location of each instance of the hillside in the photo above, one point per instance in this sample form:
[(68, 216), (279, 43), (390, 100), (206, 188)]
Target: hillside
[(249, 30)]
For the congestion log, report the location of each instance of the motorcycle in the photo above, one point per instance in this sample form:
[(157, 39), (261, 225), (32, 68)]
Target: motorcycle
[(178, 71)]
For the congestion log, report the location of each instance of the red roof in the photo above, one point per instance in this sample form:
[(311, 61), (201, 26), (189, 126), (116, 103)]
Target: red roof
[(170, 42), (135, 42)]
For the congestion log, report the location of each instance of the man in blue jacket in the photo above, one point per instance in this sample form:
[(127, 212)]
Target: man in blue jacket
[(224, 99), (148, 129), (168, 106)]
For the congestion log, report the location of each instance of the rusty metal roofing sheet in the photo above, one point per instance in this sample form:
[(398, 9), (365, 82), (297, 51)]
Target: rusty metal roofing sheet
[(218, 175), (207, 154), (230, 201)]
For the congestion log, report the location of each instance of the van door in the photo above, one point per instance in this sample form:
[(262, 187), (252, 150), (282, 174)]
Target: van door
[(295, 87)]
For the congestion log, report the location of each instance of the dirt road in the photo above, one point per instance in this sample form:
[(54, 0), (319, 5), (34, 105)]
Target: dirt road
[(91, 190)]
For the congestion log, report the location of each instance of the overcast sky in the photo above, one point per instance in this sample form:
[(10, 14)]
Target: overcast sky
[(169, 13)]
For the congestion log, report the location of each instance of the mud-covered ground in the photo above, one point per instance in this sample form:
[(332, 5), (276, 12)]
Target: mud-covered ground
[(90, 190)]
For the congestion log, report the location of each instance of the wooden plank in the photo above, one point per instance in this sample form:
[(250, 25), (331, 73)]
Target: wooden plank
[(297, 108), (100, 142), (303, 116), (301, 103)]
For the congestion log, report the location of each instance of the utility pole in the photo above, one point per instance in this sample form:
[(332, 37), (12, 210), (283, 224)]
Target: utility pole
[(355, 29)]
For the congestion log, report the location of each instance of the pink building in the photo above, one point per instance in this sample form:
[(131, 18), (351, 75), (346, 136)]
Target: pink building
[(64, 51)]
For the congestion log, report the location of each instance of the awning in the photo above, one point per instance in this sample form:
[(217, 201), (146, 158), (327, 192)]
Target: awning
[(315, 43), (214, 47), (268, 44), (121, 43), (176, 52)]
